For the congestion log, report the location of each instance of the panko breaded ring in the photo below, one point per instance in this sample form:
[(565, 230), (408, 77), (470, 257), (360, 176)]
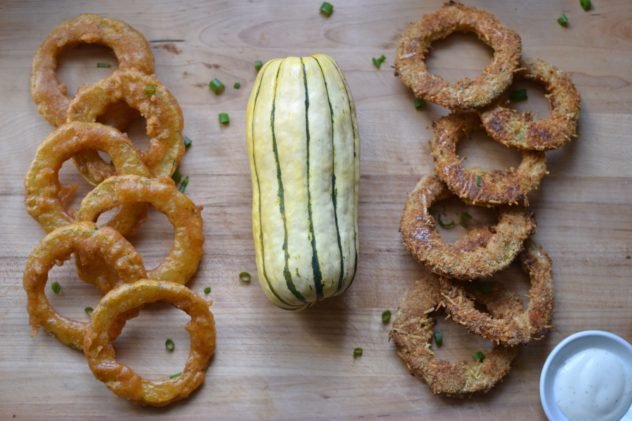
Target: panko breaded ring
[(155, 103), (514, 128), (129, 46), (471, 257), (468, 93), (412, 333), (186, 252), (474, 185), (44, 195), (122, 380), (87, 240), (518, 327)]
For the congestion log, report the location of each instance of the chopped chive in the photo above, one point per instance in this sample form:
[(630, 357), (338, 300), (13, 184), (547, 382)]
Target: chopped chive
[(357, 353), (176, 177), (104, 65), (518, 95), (170, 345), (326, 9), (585, 4), (465, 219), (386, 316), (563, 20), (244, 277), (207, 290), (216, 86), (478, 356), (224, 119), (173, 376), (445, 225), (88, 310), (420, 103), (258, 65), (150, 90), (187, 142), (55, 287), (236, 85), (377, 62), (183, 185), (438, 338), (478, 180)]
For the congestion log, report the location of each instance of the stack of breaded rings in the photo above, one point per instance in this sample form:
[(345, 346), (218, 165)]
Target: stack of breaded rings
[(483, 251), (132, 181)]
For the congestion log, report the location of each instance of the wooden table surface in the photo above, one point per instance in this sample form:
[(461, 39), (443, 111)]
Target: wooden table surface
[(272, 364)]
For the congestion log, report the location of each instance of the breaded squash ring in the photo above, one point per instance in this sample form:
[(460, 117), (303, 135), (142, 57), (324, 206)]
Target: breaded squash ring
[(514, 328), (468, 93), (155, 103), (412, 333), (478, 255), (122, 380), (129, 46), (44, 195), (476, 186), (514, 128), (86, 240)]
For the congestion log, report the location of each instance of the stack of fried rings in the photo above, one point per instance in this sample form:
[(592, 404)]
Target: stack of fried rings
[(133, 180), (483, 251)]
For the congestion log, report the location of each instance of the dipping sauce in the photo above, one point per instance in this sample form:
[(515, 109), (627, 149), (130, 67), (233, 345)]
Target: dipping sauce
[(593, 384)]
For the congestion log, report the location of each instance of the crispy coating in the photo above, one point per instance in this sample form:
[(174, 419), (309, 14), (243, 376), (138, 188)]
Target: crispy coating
[(87, 240), (512, 328), (412, 334), (183, 259), (129, 46), (45, 195), (155, 103), (467, 93), (514, 128), (480, 254), (121, 379), (475, 185)]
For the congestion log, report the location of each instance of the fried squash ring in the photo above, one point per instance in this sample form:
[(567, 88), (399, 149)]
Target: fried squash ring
[(412, 333), (86, 240), (183, 259), (476, 186), (517, 327), (480, 254), (514, 128), (468, 93), (45, 195), (122, 380), (155, 103), (129, 46)]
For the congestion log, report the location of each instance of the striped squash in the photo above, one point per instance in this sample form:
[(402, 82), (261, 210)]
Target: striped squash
[(303, 148)]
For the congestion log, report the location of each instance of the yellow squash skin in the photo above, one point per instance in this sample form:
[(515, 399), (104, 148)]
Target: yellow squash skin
[(304, 152)]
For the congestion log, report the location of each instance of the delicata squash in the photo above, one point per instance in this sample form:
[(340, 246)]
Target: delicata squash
[(303, 148)]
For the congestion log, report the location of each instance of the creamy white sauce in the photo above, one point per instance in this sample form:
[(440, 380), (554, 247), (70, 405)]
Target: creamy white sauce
[(593, 384)]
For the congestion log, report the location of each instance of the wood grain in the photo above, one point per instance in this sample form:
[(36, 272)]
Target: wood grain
[(271, 364)]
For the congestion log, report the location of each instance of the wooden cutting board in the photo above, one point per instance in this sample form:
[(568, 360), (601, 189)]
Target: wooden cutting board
[(271, 364)]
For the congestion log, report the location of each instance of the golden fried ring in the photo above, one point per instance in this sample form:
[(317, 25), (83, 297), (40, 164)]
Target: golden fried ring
[(515, 328), (122, 380), (412, 333), (86, 240), (476, 186), (130, 48), (514, 128), (479, 257), (44, 194), (186, 252), (468, 93), (154, 102)]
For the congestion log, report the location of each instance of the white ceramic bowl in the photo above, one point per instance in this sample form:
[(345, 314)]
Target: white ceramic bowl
[(570, 346)]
